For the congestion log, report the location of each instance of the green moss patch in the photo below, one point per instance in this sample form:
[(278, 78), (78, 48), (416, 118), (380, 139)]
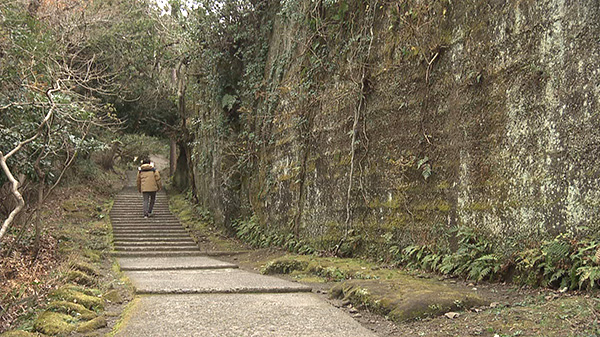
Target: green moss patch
[(305, 267), (85, 268), (72, 309), (406, 298), (95, 324), (19, 333), (389, 292), (94, 255), (113, 296), (54, 323), (86, 290), (79, 277), (71, 295), (70, 205), (199, 221), (283, 266)]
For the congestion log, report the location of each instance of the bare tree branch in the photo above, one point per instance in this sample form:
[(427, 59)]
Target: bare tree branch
[(3, 158)]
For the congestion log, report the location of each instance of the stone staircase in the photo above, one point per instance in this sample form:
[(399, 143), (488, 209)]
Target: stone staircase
[(159, 235), (160, 258)]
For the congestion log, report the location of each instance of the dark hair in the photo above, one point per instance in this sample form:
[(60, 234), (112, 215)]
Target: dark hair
[(146, 161)]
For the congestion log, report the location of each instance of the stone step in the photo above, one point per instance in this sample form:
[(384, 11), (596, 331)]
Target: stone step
[(152, 237), (125, 211), (129, 196), (210, 281), (142, 234), (226, 315), (139, 212), (144, 226), (125, 201), (173, 263), (154, 230), (148, 226), (188, 248), (125, 244), (176, 254), (137, 207), (163, 202), (149, 231), (157, 241), (141, 219)]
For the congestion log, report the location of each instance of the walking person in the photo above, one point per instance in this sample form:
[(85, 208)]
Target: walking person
[(148, 183)]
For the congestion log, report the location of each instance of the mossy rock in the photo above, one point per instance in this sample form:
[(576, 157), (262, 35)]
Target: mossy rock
[(86, 268), (19, 333), (81, 278), (407, 298), (74, 309), (94, 256), (70, 206), (74, 296), (54, 323), (88, 291), (95, 324), (113, 296), (98, 228), (283, 266), (66, 247)]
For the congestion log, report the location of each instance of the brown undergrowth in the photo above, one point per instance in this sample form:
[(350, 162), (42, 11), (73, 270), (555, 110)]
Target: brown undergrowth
[(73, 242)]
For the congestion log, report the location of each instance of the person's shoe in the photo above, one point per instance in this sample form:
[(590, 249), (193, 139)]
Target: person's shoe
[(150, 214), (145, 217)]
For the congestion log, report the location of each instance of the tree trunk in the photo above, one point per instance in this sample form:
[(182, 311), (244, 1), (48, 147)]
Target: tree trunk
[(173, 156), (41, 175)]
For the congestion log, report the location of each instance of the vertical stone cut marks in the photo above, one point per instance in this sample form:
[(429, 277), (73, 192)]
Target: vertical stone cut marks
[(305, 131), (544, 134), (578, 121)]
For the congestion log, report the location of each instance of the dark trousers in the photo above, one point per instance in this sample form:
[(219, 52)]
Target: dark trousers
[(149, 199)]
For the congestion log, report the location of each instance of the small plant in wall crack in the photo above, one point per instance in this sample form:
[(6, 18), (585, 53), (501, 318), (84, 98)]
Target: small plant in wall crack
[(425, 167)]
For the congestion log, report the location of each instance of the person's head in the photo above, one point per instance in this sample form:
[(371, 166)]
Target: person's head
[(146, 161)]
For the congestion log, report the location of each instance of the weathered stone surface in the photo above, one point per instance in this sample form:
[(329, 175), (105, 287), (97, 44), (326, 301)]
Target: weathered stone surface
[(225, 315), (408, 299), (497, 101), (53, 323), (89, 326), (173, 263), (209, 281)]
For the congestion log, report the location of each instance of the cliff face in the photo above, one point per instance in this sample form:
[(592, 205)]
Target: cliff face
[(387, 123)]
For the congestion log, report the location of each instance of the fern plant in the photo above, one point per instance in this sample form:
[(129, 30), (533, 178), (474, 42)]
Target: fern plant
[(484, 267), (473, 258), (250, 231), (561, 262)]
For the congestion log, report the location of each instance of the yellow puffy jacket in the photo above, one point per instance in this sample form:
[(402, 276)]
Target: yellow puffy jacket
[(148, 179)]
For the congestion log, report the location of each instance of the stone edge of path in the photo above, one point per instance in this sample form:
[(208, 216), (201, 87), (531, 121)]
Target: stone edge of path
[(175, 254), (249, 290)]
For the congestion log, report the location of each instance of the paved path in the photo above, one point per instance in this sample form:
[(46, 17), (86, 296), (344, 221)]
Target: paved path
[(183, 291)]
